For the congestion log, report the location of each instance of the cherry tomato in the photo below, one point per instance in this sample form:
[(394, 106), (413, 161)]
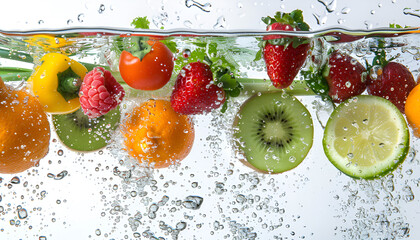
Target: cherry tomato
[(150, 73)]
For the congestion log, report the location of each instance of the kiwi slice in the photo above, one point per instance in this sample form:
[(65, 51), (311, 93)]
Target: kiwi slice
[(274, 131), (78, 132)]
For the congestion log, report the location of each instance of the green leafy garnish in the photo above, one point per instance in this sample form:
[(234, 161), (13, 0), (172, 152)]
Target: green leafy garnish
[(140, 22), (144, 23), (170, 44), (315, 80), (394, 25)]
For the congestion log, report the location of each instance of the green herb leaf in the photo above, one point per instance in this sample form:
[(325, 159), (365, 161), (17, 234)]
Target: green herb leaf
[(170, 44), (315, 81), (140, 22), (258, 56)]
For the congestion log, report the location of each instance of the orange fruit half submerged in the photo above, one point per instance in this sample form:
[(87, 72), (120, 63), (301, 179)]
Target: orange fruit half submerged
[(24, 131), (155, 134), (412, 110)]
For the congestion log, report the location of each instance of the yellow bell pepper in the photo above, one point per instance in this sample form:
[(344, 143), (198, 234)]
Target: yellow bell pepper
[(49, 42), (56, 83)]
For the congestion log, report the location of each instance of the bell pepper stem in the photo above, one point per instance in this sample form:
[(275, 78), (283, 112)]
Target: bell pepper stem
[(69, 84)]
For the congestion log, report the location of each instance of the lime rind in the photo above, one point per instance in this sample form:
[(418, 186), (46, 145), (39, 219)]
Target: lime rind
[(386, 117)]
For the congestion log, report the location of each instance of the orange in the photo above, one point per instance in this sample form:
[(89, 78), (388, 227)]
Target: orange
[(24, 131), (155, 134), (412, 110)]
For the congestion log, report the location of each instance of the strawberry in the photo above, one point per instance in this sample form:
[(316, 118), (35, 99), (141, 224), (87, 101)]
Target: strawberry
[(345, 76), (284, 56), (194, 91), (340, 77), (393, 82)]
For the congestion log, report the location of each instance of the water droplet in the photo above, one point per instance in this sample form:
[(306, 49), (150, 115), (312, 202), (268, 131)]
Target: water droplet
[(98, 232), (80, 17), (40, 21), (330, 6), (101, 9), (192, 202), (348, 84), (61, 175), (204, 7), (409, 195), (15, 180), (412, 12), (240, 198), (345, 10), (188, 23), (22, 213), (220, 24), (69, 22), (181, 226), (186, 53), (320, 20)]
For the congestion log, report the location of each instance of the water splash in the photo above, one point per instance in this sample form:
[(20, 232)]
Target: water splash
[(220, 24), (320, 20), (204, 7), (412, 12), (329, 6)]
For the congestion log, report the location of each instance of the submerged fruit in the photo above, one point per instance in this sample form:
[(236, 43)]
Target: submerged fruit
[(155, 134), (393, 82), (412, 110), (274, 131), (100, 93), (24, 131), (80, 133), (366, 137), (148, 66)]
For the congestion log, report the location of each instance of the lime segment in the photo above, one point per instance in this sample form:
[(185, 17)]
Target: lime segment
[(366, 137)]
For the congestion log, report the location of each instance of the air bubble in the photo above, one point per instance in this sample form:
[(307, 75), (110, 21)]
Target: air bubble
[(345, 10), (22, 213), (192, 202), (101, 9), (80, 17), (186, 53)]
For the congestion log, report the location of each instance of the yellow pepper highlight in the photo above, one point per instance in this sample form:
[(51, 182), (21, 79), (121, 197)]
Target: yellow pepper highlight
[(45, 83), (49, 43)]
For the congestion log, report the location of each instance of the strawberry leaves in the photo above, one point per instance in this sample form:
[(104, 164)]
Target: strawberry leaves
[(294, 19)]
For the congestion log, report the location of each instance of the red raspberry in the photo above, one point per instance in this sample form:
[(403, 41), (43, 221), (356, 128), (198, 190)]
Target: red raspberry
[(100, 93)]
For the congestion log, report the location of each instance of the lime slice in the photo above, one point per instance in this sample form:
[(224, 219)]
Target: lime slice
[(366, 137)]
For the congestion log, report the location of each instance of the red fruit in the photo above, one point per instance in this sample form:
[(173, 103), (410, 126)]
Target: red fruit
[(394, 84), (343, 37), (278, 26), (194, 92), (345, 77), (100, 93), (284, 63)]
